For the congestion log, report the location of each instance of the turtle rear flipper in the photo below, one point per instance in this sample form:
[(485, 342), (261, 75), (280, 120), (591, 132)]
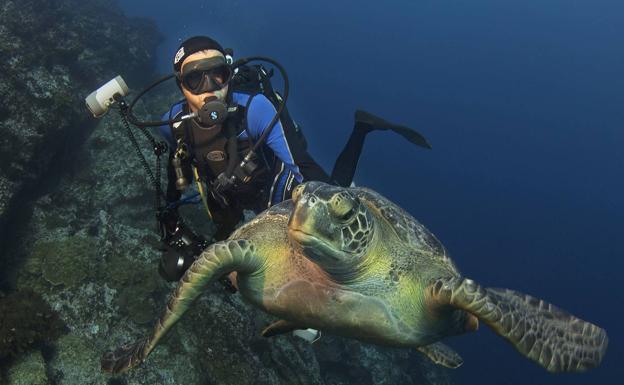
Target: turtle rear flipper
[(556, 340), (442, 355)]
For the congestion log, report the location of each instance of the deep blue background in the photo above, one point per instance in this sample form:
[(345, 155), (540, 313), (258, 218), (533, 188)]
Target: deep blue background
[(523, 102)]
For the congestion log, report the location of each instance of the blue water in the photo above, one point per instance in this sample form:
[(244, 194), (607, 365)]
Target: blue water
[(523, 103)]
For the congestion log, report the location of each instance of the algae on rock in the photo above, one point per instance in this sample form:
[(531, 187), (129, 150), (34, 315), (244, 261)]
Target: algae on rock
[(65, 261), (29, 369), (26, 320)]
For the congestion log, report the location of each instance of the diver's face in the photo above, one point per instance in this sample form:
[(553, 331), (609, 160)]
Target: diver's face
[(195, 102)]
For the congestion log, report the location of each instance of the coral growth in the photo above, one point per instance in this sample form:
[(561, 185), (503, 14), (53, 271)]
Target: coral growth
[(28, 370), (26, 319), (63, 261), (135, 285)]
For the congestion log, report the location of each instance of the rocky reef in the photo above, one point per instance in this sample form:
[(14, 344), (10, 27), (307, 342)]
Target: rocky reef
[(54, 52), (26, 319), (85, 246)]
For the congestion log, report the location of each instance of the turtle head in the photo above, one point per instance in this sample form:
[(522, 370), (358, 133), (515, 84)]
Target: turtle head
[(331, 224)]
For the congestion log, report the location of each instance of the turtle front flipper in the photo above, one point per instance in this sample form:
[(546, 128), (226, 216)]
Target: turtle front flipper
[(218, 259), (442, 355), (556, 340), (125, 357)]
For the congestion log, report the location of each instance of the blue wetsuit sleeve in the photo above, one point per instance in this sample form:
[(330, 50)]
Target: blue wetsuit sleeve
[(260, 114), (165, 129)]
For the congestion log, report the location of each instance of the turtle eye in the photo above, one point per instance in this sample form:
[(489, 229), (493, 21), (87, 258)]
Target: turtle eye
[(343, 206), (348, 215)]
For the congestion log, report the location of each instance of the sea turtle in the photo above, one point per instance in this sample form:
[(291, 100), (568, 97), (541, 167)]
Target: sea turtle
[(350, 262)]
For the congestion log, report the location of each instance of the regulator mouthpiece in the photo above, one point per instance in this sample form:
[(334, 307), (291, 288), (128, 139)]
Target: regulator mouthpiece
[(214, 111), (101, 99)]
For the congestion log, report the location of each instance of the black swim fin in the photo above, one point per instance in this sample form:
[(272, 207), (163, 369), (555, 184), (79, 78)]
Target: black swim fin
[(378, 123)]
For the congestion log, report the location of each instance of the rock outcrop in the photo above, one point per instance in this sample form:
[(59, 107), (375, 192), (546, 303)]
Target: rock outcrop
[(54, 52)]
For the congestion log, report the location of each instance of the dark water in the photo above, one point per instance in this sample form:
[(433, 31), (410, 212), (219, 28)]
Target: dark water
[(524, 105)]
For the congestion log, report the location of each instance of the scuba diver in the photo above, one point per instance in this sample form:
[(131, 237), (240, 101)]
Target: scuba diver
[(257, 128)]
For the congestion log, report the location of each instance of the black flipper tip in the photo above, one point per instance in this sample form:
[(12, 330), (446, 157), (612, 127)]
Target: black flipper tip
[(378, 123)]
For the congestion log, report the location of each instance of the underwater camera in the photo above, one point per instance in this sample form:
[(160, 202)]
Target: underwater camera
[(99, 101)]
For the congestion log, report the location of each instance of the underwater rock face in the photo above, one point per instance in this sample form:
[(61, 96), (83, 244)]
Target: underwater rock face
[(26, 320), (53, 54), (53, 259), (30, 369)]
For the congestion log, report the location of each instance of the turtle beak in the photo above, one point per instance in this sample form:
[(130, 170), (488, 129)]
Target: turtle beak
[(298, 219), (303, 224), (301, 230), (301, 217)]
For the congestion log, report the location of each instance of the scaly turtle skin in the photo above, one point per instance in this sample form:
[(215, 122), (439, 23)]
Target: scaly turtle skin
[(352, 263)]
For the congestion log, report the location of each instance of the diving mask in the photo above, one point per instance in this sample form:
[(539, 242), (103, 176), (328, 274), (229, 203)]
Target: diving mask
[(205, 75)]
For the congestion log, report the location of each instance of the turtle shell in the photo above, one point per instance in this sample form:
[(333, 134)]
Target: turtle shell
[(407, 228)]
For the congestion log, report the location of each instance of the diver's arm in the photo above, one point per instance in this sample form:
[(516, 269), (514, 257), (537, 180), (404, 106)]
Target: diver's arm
[(286, 141), (260, 114)]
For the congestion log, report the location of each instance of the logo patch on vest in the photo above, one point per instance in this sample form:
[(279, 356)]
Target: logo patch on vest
[(215, 156)]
